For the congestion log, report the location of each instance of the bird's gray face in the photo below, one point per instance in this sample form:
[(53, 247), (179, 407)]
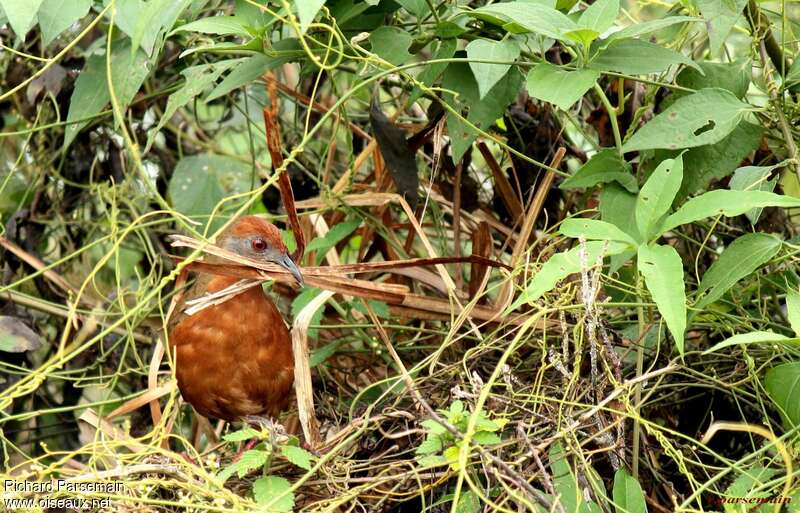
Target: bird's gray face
[(261, 248)]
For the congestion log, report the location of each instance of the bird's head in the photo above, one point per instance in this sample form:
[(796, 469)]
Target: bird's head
[(255, 238)]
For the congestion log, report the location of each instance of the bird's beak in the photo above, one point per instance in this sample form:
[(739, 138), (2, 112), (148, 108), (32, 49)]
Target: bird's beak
[(287, 263)]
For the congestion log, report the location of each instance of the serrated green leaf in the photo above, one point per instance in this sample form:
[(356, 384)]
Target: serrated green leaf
[(727, 203), (431, 445), (433, 426), (628, 495), (432, 460), (558, 86), (657, 195), (298, 456), (275, 493), (604, 167), (592, 229), (739, 260), (783, 386), (56, 16), (241, 435), (486, 438), (561, 265), (247, 462), (637, 57), (704, 117), (486, 73), (662, 270)]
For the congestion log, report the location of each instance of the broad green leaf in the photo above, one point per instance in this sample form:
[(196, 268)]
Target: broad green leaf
[(637, 57), (558, 86), (720, 16), (604, 167), (16, 336), (793, 309), (56, 16), (662, 270), (91, 94), (646, 27), (307, 10), (739, 260), (749, 486), (241, 435), (726, 203), (582, 36), (199, 182), (445, 50), (754, 337), (657, 195), (418, 8), (753, 178), (468, 502), (298, 456), (431, 445), (147, 22), (197, 79), (486, 438), (564, 480), (220, 25), (247, 462), (21, 15), (537, 18), (600, 15), (731, 76), (487, 74), (704, 117), (268, 489), (592, 229), (336, 234), (628, 495), (618, 207), (391, 44), (783, 386), (561, 265)]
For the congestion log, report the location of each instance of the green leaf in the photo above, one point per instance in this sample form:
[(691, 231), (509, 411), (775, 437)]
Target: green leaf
[(628, 495), (432, 444), (433, 427), (561, 265), (582, 36), (704, 117), (558, 86), (253, 67), (298, 456), (646, 27), (21, 15), (219, 25), (727, 203), (592, 229), (266, 491), (731, 76), (618, 207), (637, 57), (197, 79), (783, 386), (604, 167), (486, 438), (147, 22), (486, 74), (336, 234), (754, 337), (600, 15), (199, 182), (391, 44), (16, 336), (418, 8), (657, 195), (662, 270), (564, 480), (534, 17), (307, 10), (753, 178), (793, 309), (739, 260), (91, 94), (468, 502), (720, 16), (445, 50), (241, 435), (56, 16), (748, 486), (247, 462)]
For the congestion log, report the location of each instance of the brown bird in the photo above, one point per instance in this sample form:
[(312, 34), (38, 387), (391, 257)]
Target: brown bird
[(234, 359)]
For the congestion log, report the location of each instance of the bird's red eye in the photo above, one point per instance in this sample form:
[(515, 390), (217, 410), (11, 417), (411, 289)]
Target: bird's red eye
[(259, 244)]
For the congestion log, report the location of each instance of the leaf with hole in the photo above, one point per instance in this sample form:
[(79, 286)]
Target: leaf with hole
[(739, 260), (704, 117), (783, 386), (662, 270), (657, 195), (559, 86)]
